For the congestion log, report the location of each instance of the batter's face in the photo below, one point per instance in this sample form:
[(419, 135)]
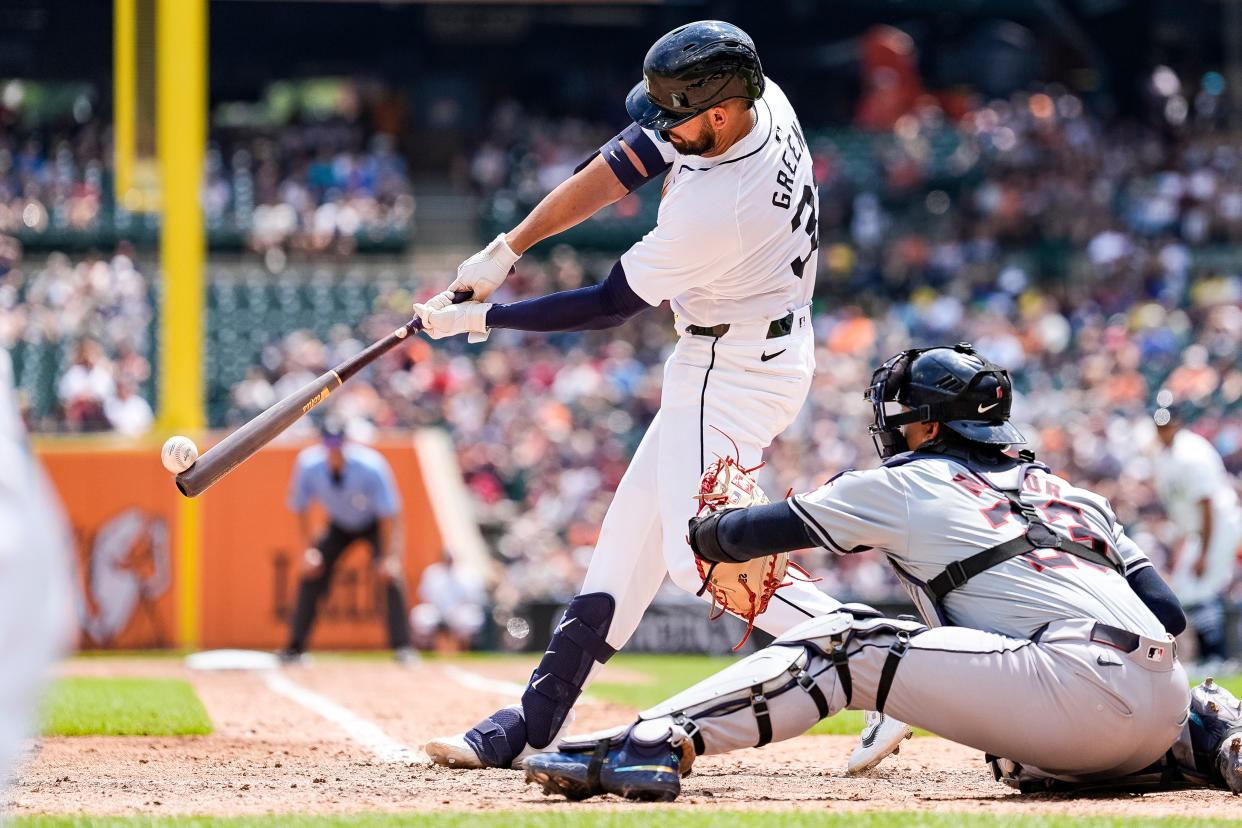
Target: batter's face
[(696, 136)]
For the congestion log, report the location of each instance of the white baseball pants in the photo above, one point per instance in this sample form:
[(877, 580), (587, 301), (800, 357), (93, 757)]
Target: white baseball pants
[(741, 387)]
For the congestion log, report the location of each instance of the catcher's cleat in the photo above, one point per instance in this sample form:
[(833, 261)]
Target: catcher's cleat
[(642, 771), (881, 737), (1216, 733), (499, 741)]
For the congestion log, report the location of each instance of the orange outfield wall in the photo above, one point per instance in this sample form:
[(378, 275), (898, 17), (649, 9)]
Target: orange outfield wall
[(123, 507)]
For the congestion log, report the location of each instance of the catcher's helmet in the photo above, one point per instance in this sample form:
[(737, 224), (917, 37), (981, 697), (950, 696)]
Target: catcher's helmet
[(690, 70), (953, 386)]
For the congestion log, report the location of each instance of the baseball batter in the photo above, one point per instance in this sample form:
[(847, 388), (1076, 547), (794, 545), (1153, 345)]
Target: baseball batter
[(1033, 600), (734, 250)]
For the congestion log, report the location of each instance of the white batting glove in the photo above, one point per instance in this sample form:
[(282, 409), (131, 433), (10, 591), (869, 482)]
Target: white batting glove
[(467, 317), (482, 273)]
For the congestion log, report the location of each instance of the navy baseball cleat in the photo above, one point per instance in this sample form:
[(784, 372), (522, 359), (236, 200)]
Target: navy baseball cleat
[(622, 764)]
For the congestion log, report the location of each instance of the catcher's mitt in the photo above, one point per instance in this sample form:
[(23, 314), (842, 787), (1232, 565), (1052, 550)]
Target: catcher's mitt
[(744, 589)]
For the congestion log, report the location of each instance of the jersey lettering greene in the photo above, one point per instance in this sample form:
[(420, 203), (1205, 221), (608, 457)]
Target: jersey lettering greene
[(926, 514), (737, 235)]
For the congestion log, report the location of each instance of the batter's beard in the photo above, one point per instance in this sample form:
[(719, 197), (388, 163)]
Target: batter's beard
[(703, 143)]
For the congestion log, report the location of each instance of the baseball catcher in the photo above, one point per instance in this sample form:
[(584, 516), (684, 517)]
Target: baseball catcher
[(1032, 598)]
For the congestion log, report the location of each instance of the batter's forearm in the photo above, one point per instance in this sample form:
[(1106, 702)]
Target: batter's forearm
[(576, 199), (605, 305)]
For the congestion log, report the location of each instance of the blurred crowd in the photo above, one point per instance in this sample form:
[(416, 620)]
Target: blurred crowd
[(315, 186), (80, 334), (53, 179)]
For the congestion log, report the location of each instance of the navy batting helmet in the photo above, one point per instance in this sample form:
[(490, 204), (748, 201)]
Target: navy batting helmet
[(690, 70), (953, 386)]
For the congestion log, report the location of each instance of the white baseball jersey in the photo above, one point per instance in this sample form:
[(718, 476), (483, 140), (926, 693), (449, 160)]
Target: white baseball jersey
[(930, 512), (737, 235), (1189, 471), (1186, 473)]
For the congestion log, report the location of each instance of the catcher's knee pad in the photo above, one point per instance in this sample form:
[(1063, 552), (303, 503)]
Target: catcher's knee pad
[(833, 637), (750, 682), (577, 643)]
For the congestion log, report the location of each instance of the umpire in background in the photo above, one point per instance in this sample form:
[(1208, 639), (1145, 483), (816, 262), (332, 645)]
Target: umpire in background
[(354, 485)]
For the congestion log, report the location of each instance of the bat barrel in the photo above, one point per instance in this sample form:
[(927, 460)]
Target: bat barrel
[(233, 450)]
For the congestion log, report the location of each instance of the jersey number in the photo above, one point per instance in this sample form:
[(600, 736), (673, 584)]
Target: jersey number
[(1054, 511), (809, 200)]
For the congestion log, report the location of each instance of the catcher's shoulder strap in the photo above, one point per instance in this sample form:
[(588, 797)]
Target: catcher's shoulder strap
[(1038, 535)]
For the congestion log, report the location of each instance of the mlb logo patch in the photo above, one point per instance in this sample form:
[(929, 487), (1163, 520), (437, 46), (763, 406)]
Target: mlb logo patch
[(1155, 653)]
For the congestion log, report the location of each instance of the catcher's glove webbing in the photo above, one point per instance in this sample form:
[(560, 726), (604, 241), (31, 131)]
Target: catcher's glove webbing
[(744, 589)]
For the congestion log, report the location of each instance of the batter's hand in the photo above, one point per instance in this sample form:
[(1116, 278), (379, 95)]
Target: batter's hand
[(482, 273), (467, 317)]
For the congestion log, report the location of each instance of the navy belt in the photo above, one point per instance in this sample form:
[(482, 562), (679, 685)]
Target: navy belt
[(777, 328), (1123, 640)]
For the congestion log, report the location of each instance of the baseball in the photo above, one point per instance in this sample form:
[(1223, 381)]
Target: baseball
[(178, 454)]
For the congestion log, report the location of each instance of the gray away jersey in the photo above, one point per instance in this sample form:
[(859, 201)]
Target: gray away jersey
[(932, 511)]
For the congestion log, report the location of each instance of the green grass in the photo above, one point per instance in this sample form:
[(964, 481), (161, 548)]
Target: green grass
[(89, 706), (568, 816)]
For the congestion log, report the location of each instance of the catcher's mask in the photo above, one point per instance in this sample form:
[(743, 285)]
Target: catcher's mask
[(953, 386)]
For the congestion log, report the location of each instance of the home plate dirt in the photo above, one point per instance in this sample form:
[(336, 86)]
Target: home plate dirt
[(351, 740)]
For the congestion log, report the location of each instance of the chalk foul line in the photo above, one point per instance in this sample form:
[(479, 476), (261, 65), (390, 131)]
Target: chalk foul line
[(363, 731)]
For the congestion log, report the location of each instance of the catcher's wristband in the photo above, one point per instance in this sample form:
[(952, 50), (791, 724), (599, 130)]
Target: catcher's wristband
[(704, 540)]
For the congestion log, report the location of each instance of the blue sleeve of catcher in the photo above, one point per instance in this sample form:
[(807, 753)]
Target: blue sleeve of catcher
[(761, 531), (630, 176), (1159, 598), (593, 308)]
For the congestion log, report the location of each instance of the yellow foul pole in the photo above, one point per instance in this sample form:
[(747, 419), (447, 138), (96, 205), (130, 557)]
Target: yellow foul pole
[(181, 106)]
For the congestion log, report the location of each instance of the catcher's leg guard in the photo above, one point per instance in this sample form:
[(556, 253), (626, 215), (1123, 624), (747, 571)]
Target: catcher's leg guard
[(779, 692), (577, 644)]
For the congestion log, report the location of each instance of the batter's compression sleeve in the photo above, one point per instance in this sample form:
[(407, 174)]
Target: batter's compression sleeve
[(1155, 593), (738, 535), (605, 305)]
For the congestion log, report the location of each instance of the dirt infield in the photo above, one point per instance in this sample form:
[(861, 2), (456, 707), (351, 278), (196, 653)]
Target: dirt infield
[(272, 754)]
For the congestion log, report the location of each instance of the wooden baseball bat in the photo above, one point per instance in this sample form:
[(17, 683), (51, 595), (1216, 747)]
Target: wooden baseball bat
[(235, 449)]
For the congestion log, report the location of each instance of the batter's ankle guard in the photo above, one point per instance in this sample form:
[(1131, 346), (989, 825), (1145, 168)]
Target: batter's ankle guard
[(577, 644), (498, 739)]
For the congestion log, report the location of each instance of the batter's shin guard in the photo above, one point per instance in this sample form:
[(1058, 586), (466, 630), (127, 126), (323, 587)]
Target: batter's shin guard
[(577, 644)]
